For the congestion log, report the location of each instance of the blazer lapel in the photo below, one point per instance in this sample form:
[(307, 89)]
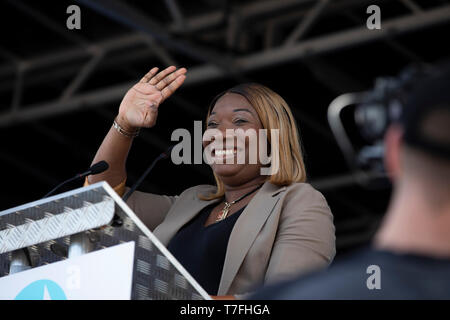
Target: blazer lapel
[(179, 216), (246, 230)]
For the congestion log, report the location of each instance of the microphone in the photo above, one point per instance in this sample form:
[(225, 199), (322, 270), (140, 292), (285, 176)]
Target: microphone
[(163, 155), (97, 168)]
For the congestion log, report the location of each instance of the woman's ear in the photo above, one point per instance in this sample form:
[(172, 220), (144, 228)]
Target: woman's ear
[(392, 152)]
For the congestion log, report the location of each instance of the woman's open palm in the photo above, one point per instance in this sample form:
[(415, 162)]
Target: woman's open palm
[(139, 106)]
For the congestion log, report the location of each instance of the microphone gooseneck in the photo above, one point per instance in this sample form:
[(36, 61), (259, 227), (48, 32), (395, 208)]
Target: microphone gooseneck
[(163, 155), (97, 168)]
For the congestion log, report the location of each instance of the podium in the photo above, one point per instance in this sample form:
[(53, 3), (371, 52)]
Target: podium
[(87, 239)]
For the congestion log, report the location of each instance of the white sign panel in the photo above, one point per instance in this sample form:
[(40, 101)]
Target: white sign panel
[(104, 274)]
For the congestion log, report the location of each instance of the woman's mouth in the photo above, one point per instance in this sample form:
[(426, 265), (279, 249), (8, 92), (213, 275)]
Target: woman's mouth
[(225, 152), (225, 155)]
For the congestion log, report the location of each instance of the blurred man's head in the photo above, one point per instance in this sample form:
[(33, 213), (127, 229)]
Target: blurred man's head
[(418, 149)]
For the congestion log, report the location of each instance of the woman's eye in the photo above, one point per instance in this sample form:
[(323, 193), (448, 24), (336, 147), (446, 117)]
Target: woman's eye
[(240, 121), (212, 124)]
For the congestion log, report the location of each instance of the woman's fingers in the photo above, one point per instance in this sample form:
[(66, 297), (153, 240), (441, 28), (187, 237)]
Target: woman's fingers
[(145, 88), (149, 75), (172, 87), (169, 79), (142, 101), (154, 80)]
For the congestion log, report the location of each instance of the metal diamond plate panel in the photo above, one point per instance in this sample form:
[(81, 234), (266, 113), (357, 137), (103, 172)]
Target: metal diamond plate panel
[(155, 277), (55, 226)]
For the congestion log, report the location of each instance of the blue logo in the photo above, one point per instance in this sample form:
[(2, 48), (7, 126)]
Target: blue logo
[(42, 290)]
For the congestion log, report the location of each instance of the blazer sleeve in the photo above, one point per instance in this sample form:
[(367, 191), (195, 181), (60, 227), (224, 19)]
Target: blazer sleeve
[(305, 239), (150, 208)]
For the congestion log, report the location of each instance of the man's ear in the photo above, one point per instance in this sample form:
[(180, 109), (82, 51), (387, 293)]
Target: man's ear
[(392, 145)]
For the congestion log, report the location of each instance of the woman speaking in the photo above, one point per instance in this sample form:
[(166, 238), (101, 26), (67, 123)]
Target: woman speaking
[(249, 229)]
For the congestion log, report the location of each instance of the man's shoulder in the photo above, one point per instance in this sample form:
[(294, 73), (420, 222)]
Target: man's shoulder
[(369, 274), (345, 274)]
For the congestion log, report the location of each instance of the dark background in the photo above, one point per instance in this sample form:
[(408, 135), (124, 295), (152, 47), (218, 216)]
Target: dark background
[(60, 89)]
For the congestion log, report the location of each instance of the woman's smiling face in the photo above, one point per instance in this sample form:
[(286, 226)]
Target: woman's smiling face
[(233, 111)]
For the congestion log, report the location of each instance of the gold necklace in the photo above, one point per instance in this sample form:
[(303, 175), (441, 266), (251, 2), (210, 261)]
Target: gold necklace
[(226, 208)]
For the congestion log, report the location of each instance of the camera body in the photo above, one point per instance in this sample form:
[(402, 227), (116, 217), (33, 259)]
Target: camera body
[(374, 112)]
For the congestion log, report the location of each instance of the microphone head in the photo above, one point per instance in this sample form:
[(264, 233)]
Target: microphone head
[(99, 167), (166, 153)]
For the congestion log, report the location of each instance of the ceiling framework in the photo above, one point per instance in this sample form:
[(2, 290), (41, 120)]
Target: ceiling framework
[(227, 41), (212, 65)]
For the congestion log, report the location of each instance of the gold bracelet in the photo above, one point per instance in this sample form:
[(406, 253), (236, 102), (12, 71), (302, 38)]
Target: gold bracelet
[(124, 132)]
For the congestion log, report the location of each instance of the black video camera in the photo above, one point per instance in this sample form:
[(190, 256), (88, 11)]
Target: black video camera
[(374, 111)]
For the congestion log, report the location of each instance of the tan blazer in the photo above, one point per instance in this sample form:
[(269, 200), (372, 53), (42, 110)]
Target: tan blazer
[(283, 231)]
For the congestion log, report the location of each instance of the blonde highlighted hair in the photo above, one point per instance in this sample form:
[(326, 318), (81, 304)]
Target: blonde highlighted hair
[(274, 113)]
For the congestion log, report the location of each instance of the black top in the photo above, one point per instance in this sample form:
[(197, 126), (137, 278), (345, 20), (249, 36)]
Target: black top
[(201, 250), (400, 276)]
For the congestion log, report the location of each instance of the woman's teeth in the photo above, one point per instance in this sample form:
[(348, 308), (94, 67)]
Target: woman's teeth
[(224, 152)]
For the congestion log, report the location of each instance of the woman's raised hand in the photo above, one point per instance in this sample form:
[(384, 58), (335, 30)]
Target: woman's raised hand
[(139, 106)]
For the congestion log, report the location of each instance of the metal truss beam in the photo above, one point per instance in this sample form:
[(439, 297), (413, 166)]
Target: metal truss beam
[(245, 11), (176, 14), (64, 56), (129, 16), (208, 72), (130, 40), (307, 22), (48, 23), (410, 4)]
